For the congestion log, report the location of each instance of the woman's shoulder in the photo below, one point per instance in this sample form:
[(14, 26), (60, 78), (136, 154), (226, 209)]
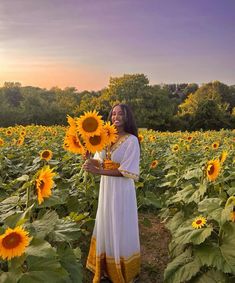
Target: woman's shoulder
[(133, 138)]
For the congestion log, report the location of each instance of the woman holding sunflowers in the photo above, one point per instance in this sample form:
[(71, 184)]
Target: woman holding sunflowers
[(115, 249)]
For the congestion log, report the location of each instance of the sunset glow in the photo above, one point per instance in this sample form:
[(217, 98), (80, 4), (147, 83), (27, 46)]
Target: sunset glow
[(84, 43)]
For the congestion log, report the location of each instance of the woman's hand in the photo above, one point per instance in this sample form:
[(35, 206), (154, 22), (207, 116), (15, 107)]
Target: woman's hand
[(92, 166)]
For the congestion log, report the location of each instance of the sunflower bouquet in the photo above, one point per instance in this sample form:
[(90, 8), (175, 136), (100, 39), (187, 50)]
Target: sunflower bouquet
[(89, 134)]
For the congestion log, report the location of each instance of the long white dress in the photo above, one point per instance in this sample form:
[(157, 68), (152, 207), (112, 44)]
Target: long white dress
[(115, 246)]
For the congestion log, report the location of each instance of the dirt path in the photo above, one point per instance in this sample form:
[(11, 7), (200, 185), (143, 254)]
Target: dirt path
[(154, 239)]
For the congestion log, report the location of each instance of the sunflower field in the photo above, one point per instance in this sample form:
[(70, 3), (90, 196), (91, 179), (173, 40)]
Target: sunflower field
[(47, 202)]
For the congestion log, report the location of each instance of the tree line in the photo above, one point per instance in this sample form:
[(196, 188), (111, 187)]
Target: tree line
[(166, 107)]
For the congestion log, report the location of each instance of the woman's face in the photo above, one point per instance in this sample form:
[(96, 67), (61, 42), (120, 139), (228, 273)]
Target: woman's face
[(118, 117)]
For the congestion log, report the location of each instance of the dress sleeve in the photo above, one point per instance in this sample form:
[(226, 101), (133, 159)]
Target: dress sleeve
[(129, 165)]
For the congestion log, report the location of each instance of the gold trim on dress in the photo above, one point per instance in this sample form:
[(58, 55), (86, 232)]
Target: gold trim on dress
[(129, 174), (118, 143), (122, 271)]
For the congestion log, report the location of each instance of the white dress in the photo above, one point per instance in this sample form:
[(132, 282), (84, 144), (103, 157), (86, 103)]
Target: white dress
[(115, 246)]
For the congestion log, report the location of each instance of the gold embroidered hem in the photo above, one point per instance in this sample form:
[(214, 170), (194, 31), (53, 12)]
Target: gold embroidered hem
[(121, 271)]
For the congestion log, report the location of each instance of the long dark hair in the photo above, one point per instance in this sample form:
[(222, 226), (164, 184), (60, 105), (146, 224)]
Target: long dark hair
[(130, 125)]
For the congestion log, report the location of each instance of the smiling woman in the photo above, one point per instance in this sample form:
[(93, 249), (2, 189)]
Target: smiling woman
[(115, 248)]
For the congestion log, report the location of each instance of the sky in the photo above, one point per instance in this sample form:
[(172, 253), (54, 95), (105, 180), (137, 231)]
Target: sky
[(82, 43)]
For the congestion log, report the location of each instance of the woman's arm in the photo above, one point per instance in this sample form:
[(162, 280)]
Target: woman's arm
[(91, 166)]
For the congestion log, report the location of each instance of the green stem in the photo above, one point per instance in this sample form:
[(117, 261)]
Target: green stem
[(28, 197)]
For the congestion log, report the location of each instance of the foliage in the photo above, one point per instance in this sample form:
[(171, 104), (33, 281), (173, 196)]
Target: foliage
[(155, 106), (173, 183)]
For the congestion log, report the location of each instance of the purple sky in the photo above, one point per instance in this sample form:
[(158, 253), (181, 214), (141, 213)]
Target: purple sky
[(83, 43)]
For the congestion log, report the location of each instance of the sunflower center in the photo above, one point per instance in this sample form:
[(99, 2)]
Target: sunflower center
[(11, 241), (198, 222), (90, 124), (45, 154), (211, 169), (95, 140)]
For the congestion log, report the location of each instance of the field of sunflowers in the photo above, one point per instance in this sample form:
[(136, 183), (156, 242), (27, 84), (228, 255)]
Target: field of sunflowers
[(48, 202)]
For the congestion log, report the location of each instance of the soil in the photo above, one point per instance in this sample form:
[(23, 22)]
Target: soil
[(154, 240)]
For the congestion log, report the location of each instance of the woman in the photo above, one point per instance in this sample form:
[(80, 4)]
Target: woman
[(115, 248)]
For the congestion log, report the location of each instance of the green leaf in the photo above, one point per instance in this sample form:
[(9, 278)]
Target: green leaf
[(189, 194), (41, 248), (65, 231), (151, 199), (58, 197), (69, 263), (175, 222), (10, 277), (19, 218), (211, 207), (8, 207), (190, 235), (211, 276), (46, 224), (182, 268), (44, 270), (23, 178), (227, 246), (225, 215), (194, 173), (231, 191), (211, 256)]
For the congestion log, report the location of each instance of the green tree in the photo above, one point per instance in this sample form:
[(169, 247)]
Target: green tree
[(156, 109), (209, 116), (12, 93), (211, 91)]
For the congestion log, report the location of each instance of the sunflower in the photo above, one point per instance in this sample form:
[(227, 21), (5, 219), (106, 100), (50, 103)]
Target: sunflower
[(20, 141), (199, 222), (89, 124), (215, 145), (1, 142), (140, 137), (97, 142), (23, 133), (9, 132), (223, 156), (71, 121), (152, 138), (13, 242), (46, 154), (189, 138), (73, 144), (154, 164), (44, 183), (213, 169), (111, 132), (175, 148)]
